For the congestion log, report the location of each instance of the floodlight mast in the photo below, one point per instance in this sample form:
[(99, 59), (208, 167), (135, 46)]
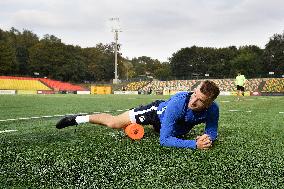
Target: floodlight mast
[(115, 29)]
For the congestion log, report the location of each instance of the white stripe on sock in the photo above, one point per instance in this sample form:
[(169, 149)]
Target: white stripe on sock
[(82, 119)]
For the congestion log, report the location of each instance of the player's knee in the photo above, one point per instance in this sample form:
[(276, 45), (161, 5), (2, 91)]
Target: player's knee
[(113, 124)]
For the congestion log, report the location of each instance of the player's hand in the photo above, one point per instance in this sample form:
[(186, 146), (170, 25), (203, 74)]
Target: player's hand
[(203, 142)]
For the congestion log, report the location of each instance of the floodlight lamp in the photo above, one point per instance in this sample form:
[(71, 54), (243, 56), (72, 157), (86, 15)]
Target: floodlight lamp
[(115, 26)]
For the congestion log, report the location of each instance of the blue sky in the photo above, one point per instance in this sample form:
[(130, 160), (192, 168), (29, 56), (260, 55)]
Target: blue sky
[(154, 28)]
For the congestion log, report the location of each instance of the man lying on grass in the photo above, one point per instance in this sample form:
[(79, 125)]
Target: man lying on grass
[(172, 118)]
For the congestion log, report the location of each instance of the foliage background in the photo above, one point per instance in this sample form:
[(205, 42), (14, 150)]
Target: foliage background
[(23, 53)]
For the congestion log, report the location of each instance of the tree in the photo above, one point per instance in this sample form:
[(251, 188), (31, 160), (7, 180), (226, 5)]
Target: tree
[(73, 67), (163, 72), (21, 42), (7, 55), (46, 57), (53, 59), (22, 53), (128, 69), (274, 55), (100, 62), (181, 64), (145, 66), (248, 61), (139, 66), (220, 66)]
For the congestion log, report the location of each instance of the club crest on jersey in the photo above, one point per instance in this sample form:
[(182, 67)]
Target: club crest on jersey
[(142, 119)]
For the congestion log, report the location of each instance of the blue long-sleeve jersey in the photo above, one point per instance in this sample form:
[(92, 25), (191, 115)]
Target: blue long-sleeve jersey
[(177, 119)]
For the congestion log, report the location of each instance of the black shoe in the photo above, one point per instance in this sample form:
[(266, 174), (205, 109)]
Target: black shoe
[(66, 122)]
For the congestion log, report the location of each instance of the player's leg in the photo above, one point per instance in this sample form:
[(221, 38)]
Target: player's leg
[(115, 122), (146, 115), (238, 92), (118, 121), (243, 91), (142, 115)]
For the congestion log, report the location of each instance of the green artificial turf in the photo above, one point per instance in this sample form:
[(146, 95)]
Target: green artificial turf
[(248, 153)]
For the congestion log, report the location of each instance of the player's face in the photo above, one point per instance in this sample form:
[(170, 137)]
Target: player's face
[(199, 101)]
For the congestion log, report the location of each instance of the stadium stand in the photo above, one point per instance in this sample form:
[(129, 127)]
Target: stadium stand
[(19, 83), (255, 84), (36, 84), (61, 86), (266, 85), (178, 85), (135, 86), (274, 85), (227, 85)]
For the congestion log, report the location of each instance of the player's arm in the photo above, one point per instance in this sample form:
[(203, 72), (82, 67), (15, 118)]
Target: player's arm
[(211, 128), (201, 142), (167, 138)]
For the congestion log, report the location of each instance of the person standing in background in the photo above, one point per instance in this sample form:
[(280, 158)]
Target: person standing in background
[(240, 82)]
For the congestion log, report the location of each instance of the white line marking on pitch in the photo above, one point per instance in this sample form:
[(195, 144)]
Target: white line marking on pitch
[(24, 118), (239, 111), (35, 117), (7, 131), (281, 112), (82, 113), (225, 101), (46, 116)]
